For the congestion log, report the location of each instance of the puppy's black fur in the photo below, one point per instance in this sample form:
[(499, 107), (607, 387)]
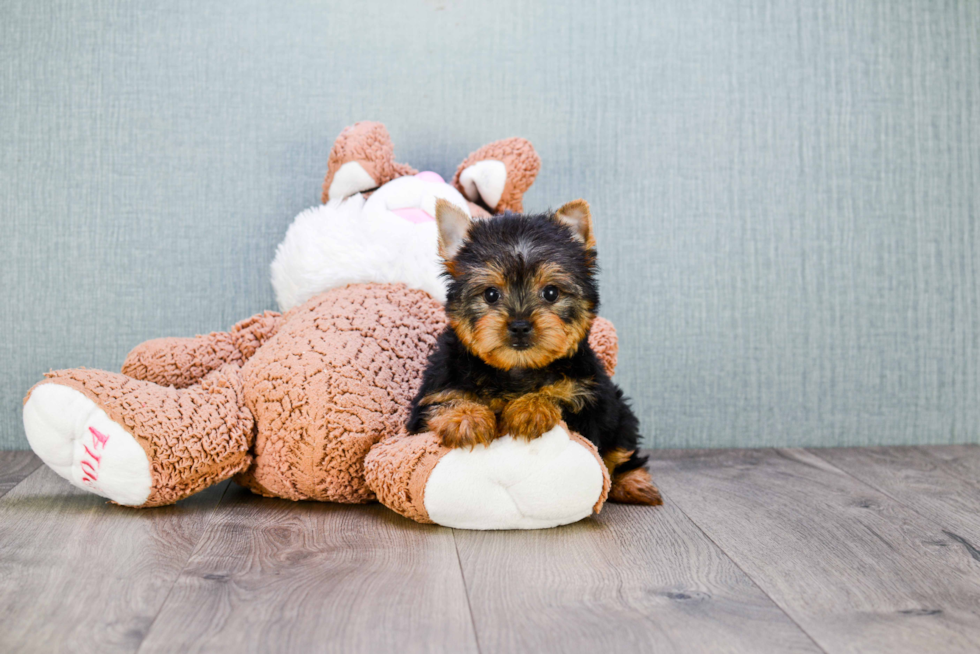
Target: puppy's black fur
[(519, 260)]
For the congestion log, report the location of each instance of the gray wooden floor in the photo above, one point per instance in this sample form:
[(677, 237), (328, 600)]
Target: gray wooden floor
[(850, 550)]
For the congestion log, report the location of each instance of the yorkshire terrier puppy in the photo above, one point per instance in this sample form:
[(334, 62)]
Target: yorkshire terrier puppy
[(515, 358)]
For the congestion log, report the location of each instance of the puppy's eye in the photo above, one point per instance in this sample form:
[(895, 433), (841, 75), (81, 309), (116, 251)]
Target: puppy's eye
[(550, 293), (491, 295)]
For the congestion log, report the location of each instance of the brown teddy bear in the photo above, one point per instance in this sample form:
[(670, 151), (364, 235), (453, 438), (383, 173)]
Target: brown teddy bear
[(310, 404)]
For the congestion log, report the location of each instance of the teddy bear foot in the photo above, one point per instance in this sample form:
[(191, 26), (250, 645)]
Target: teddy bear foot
[(135, 442), (76, 439), (555, 479), (515, 484)]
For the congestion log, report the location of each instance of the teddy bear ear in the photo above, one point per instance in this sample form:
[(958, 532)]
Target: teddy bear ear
[(578, 218), (454, 225), (484, 180), (361, 159), (498, 174), (349, 179), (350, 166)]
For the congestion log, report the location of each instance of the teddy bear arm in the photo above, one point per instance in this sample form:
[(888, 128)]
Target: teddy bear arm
[(181, 362)]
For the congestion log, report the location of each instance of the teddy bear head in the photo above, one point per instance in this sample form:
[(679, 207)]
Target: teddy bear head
[(376, 223), (389, 237)]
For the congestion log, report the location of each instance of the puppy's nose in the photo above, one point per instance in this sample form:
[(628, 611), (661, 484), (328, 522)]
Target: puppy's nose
[(519, 328)]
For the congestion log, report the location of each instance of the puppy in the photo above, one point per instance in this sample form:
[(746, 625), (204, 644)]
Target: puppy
[(515, 358)]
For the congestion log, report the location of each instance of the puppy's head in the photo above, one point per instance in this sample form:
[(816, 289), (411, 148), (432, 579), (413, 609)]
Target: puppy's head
[(522, 289)]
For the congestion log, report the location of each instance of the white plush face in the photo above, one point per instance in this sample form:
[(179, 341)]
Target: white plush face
[(391, 237)]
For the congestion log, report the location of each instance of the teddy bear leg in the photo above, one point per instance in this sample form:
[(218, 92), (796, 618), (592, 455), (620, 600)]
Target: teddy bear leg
[(510, 484), (181, 362), (498, 174), (362, 158), (137, 443)]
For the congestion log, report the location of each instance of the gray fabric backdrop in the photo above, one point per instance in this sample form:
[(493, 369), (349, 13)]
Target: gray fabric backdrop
[(786, 192)]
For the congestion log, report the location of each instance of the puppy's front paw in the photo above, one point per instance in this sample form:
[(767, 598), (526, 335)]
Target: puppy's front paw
[(463, 424), (529, 416)]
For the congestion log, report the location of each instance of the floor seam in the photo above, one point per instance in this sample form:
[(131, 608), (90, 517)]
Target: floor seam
[(884, 492), (466, 591), (30, 474), (755, 583), (180, 572)]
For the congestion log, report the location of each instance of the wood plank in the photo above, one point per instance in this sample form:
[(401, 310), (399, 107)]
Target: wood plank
[(279, 576), (920, 481), (961, 460), (855, 568), (79, 574), (633, 579), (14, 467)]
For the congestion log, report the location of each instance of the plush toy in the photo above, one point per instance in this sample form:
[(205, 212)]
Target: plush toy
[(310, 404)]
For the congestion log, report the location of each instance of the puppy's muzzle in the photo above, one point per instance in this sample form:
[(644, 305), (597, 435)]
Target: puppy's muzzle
[(521, 332)]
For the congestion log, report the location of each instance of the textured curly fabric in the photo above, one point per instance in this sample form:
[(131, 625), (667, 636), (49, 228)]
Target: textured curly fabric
[(193, 438), (397, 469), (605, 343), (181, 362), (317, 411), (339, 375), (522, 163), (369, 144)]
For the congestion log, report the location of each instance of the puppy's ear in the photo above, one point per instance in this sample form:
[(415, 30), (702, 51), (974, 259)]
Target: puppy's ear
[(578, 218), (454, 224)]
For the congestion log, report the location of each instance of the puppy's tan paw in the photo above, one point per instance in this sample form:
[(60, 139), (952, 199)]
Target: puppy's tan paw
[(529, 416), (463, 424), (635, 487)]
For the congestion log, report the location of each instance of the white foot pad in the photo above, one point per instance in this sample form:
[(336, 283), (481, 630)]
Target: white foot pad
[(77, 440), (513, 484)]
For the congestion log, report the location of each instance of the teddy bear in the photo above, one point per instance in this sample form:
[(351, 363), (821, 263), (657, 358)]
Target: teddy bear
[(310, 403)]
